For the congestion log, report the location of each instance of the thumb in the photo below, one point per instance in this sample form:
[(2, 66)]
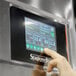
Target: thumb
[(52, 64)]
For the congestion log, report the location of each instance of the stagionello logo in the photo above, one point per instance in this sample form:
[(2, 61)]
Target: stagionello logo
[(39, 58)]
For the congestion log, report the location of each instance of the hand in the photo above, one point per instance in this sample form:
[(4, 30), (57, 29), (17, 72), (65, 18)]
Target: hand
[(60, 62), (38, 71)]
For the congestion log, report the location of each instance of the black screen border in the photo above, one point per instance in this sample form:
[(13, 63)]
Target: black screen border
[(18, 48)]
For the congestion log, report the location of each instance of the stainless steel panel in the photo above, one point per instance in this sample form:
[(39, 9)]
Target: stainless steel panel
[(52, 6), (37, 10), (4, 31), (14, 70)]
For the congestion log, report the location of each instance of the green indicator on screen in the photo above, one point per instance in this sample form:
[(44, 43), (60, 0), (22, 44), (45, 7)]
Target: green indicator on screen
[(34, 47), (31, 46), (38, 48), (27, 45), (52, 34), (42, 49)]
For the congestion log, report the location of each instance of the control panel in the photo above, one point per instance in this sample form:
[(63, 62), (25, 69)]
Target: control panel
[(31, 33), (39, 35)]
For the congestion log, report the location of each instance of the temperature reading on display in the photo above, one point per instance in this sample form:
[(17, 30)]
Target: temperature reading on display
[(39, 35)]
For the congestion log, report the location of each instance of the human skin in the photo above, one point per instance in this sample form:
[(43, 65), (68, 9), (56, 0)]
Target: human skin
[(58, 61), (38, 71)]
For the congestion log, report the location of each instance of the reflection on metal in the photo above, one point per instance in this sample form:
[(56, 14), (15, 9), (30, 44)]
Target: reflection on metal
[(58, 15), (38, 11), (51, 6)]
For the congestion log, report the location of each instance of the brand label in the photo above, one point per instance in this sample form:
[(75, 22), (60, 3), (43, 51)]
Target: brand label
[(39, 58)]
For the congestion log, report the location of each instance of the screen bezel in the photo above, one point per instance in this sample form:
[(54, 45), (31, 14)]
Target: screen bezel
[(18, 48)]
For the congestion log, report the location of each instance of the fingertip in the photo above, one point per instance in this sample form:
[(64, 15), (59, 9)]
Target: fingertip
[(45, 50), (51, 53)]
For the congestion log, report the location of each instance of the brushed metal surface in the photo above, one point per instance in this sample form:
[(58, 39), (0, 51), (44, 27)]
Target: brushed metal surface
[(38, 11), (4, 31), (51, 6)]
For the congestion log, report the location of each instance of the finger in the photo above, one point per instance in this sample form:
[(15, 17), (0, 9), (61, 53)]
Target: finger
[(39, 67), (54, 74), (51, 65), (51, 53)]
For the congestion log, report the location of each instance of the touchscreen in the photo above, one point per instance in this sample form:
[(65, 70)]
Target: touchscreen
[(39, 35)]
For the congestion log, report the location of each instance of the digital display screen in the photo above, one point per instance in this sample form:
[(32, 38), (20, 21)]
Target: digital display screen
[(39, 35)]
